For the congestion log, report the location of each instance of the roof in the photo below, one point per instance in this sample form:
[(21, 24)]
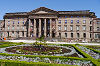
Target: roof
[(50, 11)]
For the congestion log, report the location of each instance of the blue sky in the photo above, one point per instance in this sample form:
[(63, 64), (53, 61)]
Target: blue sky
[(7, 6)]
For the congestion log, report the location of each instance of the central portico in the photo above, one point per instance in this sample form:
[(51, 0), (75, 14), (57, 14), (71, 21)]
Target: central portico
[(42, 22)]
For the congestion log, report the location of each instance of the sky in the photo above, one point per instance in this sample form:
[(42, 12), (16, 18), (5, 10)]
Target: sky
[(10, 6)]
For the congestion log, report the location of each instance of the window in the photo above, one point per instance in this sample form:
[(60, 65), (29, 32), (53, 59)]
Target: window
[(59, 27), (84, 21), (84, 16), (77, 28), (78, 35), (78, 16), (13, 22), (90, 22), (8, 28), (71, 16), (8, 22), (60, 35), (59, 21), (23, 22), (98, 29), (65, 16), (71, 27), (71, 21), (23, 33), (8, 34), (13, 33), (71, 35), (84, 35), (18, 22), (65, 21), (84, 27), (65, 34), (98, 22), (23, 27), (77, 21), (90, 35), (12, 27), (17, 26), (65, 27), (90, 28)]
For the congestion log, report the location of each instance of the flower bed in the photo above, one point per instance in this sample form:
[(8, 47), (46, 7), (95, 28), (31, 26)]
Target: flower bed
[(49, 60), (95, 47), (52, 50), (89, 52)]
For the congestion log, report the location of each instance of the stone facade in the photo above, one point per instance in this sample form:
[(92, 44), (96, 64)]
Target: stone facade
[(96, 30), (67, 25)]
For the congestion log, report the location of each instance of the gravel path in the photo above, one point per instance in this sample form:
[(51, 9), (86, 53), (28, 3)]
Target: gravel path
[(32, 41)]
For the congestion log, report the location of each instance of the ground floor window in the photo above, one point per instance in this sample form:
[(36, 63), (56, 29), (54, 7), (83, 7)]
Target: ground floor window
[(71, 35), (97, 36), (8, 34), (65, 34), (78, 35), (60, 35), (23, 33), (84, 35)]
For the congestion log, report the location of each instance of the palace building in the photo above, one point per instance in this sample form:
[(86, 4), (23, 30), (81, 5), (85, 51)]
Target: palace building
[(67, 25)]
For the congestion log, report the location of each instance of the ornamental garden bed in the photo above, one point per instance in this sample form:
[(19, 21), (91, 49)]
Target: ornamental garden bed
[(21, 54), (52, 50), (95, 47)]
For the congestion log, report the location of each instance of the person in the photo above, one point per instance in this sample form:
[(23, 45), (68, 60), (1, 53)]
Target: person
[(4, 38)]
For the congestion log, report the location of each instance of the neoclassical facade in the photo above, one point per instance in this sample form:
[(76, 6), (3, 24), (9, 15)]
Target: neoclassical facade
[(67, 25)]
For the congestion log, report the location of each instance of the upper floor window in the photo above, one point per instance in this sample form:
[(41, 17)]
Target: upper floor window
[(8, 27), (71, 27), (90, 22), (17, 26), (23, 27), (84, 21), (71, 16), (13, 27), (8, 22), (77, 16), (13, 22), (59, 21), (65, 21), (71, 21), (59, 27), (18, 22), (65, 27), (84, 27), (65, 16), (23, 22), (13, 33), (84, 16), (98, 29), (98, 22), (77, 28), (77, 21)]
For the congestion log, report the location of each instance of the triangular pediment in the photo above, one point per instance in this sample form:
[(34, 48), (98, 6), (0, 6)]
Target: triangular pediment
[(42, 10)]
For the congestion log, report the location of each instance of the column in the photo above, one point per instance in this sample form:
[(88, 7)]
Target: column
[(50, 28), (39, 27), (56, 35), (34, 32), (29, 28), (45, 27)]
